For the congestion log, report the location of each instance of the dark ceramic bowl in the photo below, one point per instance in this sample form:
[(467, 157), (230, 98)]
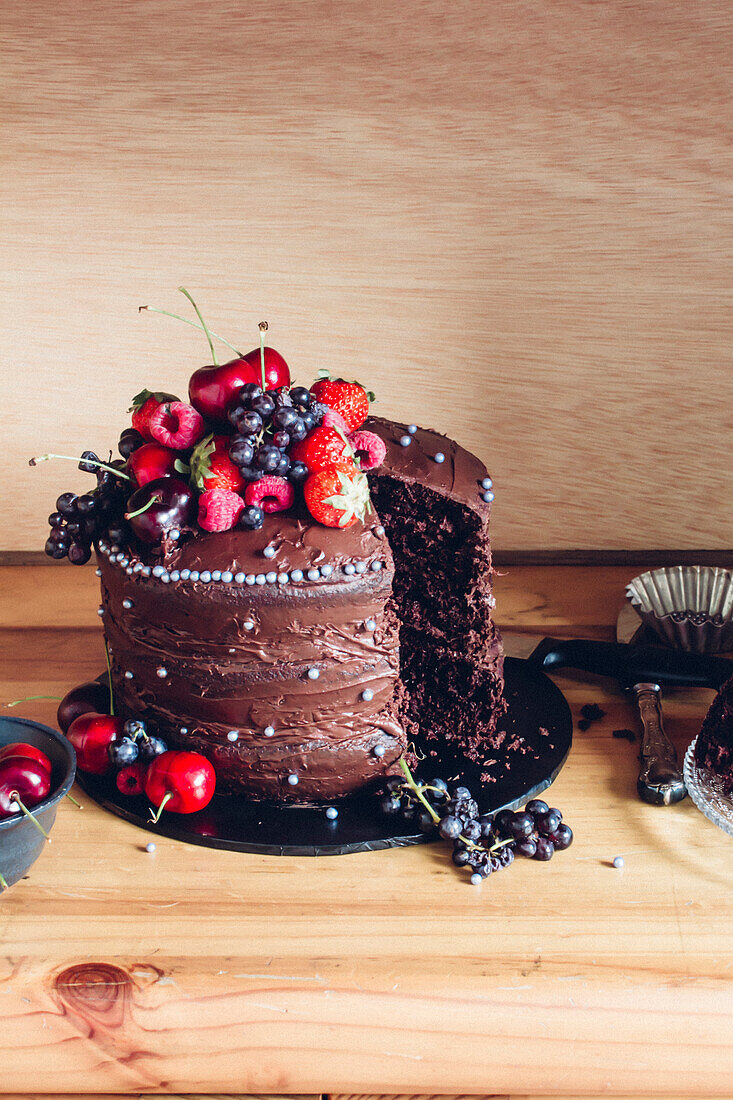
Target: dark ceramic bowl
[(20, 842)]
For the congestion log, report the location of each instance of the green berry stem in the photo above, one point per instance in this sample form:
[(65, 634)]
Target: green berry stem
[(71, 458), (72, 799), (109, 680), (203, 324), (186, 321), (24, 810), (28, 698), (3, 883), (166, 798), (263, 326), (139, 512)]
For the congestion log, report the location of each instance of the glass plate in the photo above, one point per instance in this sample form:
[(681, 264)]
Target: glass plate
[(706, 792)]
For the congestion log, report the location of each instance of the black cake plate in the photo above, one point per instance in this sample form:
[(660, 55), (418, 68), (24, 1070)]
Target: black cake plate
[(536, 711)]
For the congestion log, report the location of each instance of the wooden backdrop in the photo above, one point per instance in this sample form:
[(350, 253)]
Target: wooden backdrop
[(513, 219)]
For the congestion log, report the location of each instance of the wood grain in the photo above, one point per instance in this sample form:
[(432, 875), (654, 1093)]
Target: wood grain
[(194, 970), (513, 219)]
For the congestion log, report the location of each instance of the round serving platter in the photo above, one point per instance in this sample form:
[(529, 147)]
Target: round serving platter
[(536, 711)]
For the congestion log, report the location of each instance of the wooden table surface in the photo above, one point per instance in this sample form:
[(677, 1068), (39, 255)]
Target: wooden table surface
[(201, 971)]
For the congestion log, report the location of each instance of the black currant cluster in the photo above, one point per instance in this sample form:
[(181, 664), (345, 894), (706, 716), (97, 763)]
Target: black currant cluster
[(266, 424), (78, 520), (135, 746), (130, 441), (482, 843)]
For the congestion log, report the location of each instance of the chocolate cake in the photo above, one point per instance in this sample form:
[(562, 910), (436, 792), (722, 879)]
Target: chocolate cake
[(303, 659), (714, 747)]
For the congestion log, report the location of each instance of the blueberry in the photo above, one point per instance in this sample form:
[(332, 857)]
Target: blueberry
[(548, 823), (249, 391), (536, 806), (545, 849), (501, 821), (450, 828), (130, 440), (252, 518), (250, 422), (264, 405), (251, 473), (461, 793), (66, 504), (267, 458), (460, 856), (134, 728), (425, 822), (562, 837), (309, 420), (152, 747), (281, 440), (390, 804), (472, 830), (122, 752), (521, 825), (283, 417), (301, 396), (79, 553), (440, 792), (89, 462), (241, 451), (298, 472), (527, 847), (87, 504), (56, 548), (283, 466), (298, 430)]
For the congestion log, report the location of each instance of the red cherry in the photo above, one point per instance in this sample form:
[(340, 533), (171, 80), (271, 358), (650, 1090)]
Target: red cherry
[(180, 781), (212, 388), (150, 462), (91, 735), (27, 752), (92, 696), (163, 504), (24, 778)]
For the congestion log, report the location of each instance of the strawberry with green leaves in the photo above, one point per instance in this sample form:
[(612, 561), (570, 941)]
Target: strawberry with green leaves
[(211, 467), (347, 398), (337, 496), (323, 447), (144, 405)]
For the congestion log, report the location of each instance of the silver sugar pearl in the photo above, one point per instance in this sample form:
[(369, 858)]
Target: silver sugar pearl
[(412, 428), (175, 575), (248, 624), (261, 578), (158, 571), (296, 575), (216, 575), (227, 576), (313, 574), (128, 675), (331, 813), (127, 604), (269, 552), (271, 577), (367, 695), (439, 457), (379, 751), (370, 625), (232, 652), (376, 566), (619, 862), (151, 847), (165, 578), (183, 730), (488, 496), (174, 534), (100, 611), (349, 570), (194, 574), (379, 531), (283, 578), (146, 570), (205, 577), (405, 440), (98, 571), (233, 735), (161, 672), (360, 567), (326, 570), (250, 579), (293, 780), (487, 483), (269, 731), (239, 578), (313, 673)]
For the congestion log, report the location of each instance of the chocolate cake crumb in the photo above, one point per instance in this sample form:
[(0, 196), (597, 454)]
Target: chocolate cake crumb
[(592, 712), (624, 735)]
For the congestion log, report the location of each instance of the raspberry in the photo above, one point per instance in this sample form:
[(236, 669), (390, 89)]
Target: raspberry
[(176, 424), (369, 448), (321, 448), (333, 419), (219, 509), (272, 494), (337, 496), (348, 398)]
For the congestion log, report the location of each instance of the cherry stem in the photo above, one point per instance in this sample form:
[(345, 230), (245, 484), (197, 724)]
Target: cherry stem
[(28, 698), (175, 316), (203, 324), (24, 810), (3, 882), (71, 458), (109, 680), (166, 798), (72, 799), (139, 512), (263, 329)]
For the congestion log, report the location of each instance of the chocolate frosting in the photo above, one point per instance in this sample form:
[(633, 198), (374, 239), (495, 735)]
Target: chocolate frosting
[(283, 670)]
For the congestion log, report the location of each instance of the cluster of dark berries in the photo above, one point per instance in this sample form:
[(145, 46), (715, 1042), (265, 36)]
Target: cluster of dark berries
[(79, 519), (132, 753), (482, 843), (266, 424), (591, 713)]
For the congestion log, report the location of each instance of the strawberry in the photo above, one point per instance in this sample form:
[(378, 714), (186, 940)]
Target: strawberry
[(323, 447), (219, 509), (337, 496), (348, 398), (144, 404), (211, 466)]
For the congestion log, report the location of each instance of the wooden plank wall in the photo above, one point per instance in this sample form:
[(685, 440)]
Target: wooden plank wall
[(512, 218)]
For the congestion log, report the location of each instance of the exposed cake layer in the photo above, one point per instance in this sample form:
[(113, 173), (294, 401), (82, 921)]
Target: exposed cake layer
[(714, 747)]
